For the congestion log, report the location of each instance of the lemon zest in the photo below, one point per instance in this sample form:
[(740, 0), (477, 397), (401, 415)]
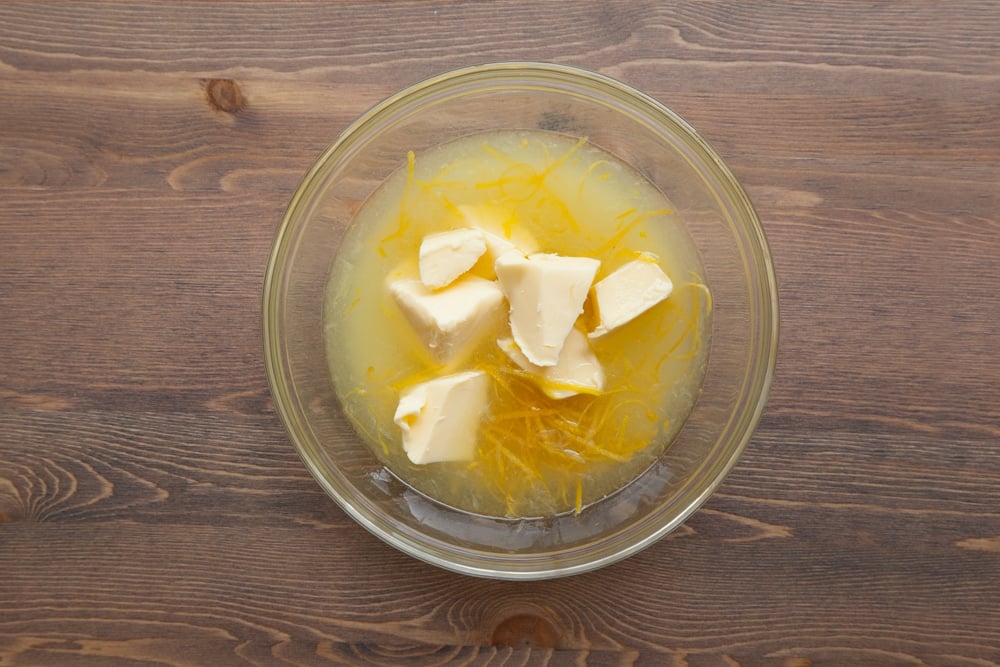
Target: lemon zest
[(622, 232)]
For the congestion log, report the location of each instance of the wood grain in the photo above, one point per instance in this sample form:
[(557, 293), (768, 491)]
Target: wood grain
[(152, 510)]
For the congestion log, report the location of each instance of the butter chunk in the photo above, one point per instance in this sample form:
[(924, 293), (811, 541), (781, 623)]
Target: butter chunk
[(501, 233), (546, 294), (578, 370), (440, 418), (450, 321), (447, 255), (628, 292), (497, 246)]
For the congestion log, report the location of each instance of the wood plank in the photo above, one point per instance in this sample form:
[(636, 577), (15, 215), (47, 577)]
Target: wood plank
[(361, 40), (234, 591), (230, 467)]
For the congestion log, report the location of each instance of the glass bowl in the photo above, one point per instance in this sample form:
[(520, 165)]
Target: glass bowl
[(665, 150)]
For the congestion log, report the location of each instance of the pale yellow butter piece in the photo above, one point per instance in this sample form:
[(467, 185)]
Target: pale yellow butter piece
[(578, 370), (452, 320), (628, 292), (501, 233), (447, 255), (440, 418), (498, 245), (546, 294)]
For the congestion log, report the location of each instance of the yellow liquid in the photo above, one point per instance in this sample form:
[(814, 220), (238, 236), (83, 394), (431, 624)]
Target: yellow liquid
[(536, 456)]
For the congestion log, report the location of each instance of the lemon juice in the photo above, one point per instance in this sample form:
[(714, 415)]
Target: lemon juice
[(534, 454)]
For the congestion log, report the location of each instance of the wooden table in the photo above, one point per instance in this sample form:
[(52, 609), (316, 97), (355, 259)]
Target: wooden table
[(153, 509)]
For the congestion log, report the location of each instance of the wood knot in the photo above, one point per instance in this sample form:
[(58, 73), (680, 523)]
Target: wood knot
[(224, 95), (10, 514), (525, 630)]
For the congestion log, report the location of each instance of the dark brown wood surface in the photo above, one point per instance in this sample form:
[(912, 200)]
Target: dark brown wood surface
[(152, 509)]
